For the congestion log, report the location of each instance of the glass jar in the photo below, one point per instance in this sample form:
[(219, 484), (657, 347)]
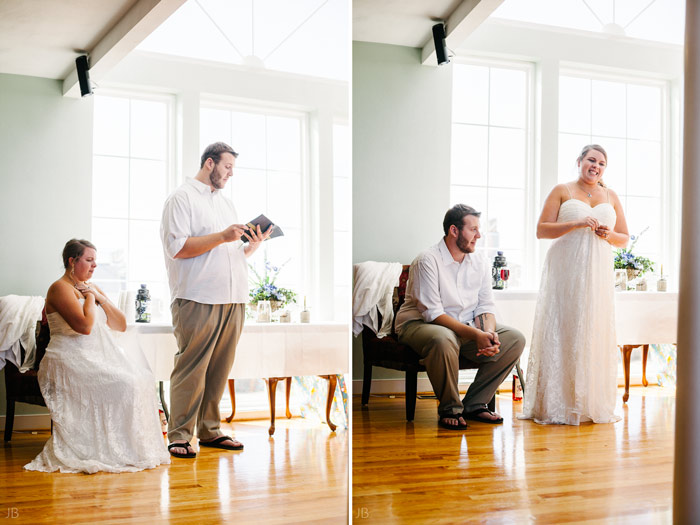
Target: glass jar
[(264, 312)]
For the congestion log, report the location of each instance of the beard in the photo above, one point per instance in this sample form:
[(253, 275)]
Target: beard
[(464, 245), (217, 178)]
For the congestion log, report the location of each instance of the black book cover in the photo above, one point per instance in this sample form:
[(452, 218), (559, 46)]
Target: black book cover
[(264, 224)]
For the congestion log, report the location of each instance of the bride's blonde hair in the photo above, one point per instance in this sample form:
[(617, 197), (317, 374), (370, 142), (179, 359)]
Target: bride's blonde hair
[(597, 148)]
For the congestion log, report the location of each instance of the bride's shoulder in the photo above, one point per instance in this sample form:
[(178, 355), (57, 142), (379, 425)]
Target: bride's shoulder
[(61, 290), (560, 190)]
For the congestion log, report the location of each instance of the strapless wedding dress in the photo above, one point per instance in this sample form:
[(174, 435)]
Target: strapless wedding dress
[(572, 369), (103, 404)]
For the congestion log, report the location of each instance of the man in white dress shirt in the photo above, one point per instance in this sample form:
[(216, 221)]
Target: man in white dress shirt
[(208, 277), (448, 311)]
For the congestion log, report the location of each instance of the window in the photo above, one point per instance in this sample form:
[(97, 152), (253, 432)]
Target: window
[(491, 158), (627, 119), (130, 181), (342, 218), (268, 178)]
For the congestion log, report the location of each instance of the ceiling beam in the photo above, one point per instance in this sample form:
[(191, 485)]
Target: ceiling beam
[(460, 24), (140, 21)]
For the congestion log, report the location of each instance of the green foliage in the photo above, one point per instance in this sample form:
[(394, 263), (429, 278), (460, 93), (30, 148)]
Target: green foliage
[(264, 288), (626, 260)]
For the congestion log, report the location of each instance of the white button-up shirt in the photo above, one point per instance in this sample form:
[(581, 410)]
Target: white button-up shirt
[(437, 284), (219, 276)]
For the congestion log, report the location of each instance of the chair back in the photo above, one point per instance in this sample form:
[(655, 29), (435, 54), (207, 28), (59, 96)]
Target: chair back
[(399, 294)]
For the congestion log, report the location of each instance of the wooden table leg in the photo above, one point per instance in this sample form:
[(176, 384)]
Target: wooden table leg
[(271, 389), (626, 354), (288, 390), (161, 390), (332, 382), (232, 393), (645, 350)]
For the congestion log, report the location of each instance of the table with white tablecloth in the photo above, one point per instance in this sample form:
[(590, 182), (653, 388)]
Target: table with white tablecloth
[(265, 350), (641, 318)]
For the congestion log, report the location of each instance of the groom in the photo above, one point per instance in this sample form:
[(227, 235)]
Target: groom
[(449, 310)]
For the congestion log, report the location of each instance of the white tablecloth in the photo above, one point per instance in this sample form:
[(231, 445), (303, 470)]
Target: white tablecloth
[(640, 317), (264, 350)]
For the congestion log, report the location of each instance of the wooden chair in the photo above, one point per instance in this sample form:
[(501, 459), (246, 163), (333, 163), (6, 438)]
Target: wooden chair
[(24, 387), (387, 352)]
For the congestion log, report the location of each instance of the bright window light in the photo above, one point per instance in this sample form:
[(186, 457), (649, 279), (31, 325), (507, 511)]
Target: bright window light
[(626, 118), (491, 116), (131, 167), (268, 178), (305, 37), (655, 20)]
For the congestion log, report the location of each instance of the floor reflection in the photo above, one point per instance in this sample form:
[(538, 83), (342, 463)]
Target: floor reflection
[(516, 472), (302, 471)]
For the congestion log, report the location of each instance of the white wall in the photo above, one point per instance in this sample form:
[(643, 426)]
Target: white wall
[(401, 157), (46, 174)]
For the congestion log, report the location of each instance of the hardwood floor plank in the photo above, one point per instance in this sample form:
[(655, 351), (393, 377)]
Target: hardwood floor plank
[(517, 472), (298, 476)]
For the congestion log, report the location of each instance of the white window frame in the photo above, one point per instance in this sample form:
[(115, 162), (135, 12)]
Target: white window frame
[(308, 235), (669, 198), (170, 160), (530, 212)]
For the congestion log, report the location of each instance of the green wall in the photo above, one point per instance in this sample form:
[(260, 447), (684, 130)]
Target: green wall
[(46, 174), (401, 158)]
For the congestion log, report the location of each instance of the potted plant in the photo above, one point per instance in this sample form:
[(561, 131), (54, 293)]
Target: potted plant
[(635, 265), (265, 289)]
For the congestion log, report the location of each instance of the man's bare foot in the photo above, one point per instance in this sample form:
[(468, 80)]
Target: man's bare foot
[(453, 422), (181, 449)]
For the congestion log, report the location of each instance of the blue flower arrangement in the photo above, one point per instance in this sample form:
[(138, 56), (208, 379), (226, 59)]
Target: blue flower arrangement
[(264, 288), (626, 260)]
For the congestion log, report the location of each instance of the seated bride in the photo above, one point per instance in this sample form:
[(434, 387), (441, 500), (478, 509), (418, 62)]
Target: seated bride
[(103, 405)]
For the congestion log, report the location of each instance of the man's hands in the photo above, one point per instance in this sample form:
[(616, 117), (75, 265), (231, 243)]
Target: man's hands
[(256, 236), (487, 343), (234, 232)]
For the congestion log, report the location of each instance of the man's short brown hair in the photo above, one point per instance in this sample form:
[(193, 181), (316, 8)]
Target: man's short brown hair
[(455, 216), (214, 152)]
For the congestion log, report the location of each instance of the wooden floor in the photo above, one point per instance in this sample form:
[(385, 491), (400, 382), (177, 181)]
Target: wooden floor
[(299, 476), (518, 472)]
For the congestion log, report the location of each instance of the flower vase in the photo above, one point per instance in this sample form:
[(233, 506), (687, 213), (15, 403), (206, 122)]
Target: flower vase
[(620, 280), (264, 312), (276, 305), (632, 274)]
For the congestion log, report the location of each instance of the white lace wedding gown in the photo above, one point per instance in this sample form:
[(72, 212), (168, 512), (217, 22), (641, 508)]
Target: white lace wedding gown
[(572, 369), (103, 404)]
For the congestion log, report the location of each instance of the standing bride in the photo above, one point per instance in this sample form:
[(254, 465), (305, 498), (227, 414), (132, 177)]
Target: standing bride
[(572, 369), (103, 405)]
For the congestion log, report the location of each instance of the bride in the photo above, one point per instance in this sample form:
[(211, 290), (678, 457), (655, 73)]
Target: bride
[(103, 406), (572, 369)]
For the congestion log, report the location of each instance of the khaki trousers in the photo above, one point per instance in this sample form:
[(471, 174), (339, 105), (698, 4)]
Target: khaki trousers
[(207, 335), (440, 347)]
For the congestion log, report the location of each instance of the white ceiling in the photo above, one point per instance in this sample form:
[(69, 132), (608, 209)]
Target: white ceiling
[(42, 38), (399, 22), (304, 37), (409, 22)]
